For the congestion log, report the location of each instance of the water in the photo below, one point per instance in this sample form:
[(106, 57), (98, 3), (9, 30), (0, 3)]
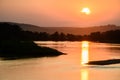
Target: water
[(65, 67)]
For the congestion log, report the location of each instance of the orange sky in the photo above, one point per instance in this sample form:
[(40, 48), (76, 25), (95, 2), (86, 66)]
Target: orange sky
[(60, 12)]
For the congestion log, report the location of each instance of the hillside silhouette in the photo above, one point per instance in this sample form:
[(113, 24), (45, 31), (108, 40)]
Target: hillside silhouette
[(11, 31), (18, 44), (71, 30)]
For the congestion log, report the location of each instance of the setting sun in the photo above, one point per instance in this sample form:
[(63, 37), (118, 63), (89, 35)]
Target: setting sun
[(86, 11)]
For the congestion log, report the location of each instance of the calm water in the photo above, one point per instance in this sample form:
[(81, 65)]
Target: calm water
[(65, 67)]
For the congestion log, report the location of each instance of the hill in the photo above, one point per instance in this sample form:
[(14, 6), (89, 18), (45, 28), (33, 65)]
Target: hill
[(71, 30)]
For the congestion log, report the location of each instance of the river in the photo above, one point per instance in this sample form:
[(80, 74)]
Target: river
[(66, 67)]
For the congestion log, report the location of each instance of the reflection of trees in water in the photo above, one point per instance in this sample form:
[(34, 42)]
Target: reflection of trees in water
[(59, 45), (115, 51), (113, 48)]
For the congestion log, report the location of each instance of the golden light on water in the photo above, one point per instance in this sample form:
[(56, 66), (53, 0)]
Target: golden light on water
[(84, 59), (84, 74), (85, 52)]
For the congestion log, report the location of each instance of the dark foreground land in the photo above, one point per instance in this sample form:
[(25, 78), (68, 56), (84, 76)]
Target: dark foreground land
[(25, 49), (104, 62)]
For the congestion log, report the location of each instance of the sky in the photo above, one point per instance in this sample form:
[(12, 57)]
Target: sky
[(60, 13)]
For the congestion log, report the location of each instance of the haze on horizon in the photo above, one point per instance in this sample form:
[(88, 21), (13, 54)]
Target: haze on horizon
[(60, 13)]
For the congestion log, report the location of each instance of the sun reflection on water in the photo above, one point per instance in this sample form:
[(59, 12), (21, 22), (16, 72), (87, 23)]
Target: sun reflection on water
[(84, 59), (85, 52), (84, 74)]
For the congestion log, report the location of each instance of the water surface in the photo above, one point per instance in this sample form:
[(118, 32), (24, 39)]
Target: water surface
[(65, 67)]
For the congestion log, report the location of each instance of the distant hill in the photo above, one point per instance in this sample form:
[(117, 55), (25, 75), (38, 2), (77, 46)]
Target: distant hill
[(71, 30)]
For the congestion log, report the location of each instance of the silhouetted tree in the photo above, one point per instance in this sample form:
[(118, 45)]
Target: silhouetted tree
[(70, 37), (95, 36), (43, 36), (55, 36), (62, 37), (10, 31)]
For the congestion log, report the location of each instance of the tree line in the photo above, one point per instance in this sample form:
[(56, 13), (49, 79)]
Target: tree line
[(10, 31)]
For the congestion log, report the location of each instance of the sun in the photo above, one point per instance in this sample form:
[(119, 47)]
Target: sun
[(86, 11)]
